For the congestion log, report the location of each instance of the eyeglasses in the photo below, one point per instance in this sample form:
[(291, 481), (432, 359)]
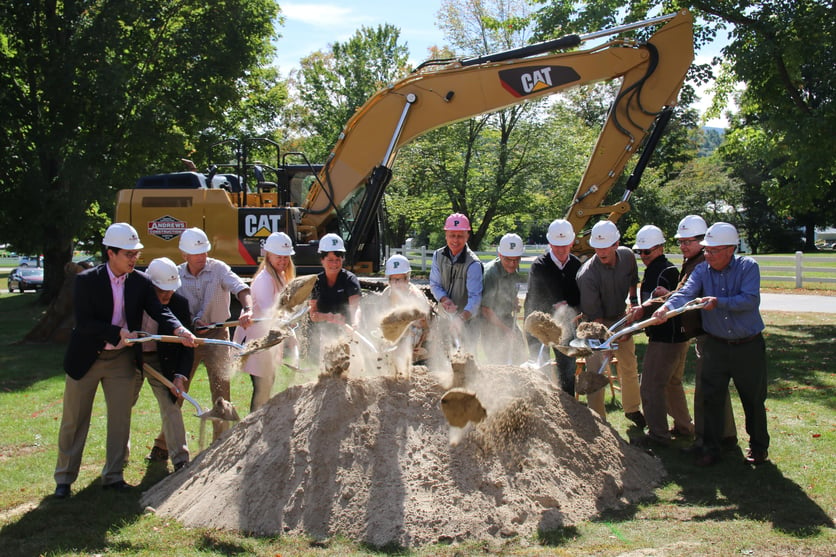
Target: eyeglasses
[(396, 280), (131, 254), (685, 242), (645, 251), (716, 251)]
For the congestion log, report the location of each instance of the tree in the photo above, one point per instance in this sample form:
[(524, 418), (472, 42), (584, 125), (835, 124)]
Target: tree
[(783, 51), (332, 85), (94, 93)]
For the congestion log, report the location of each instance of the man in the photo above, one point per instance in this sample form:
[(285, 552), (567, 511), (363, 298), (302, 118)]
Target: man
[(108, 303), (605, 280), (402, 294), (207, 283), (734, 345), (553, 289), (456, 276), (661, 382), (173, 361), (689, 234), (500, 283)]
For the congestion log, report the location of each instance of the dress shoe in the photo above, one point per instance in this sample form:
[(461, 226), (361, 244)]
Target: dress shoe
[(757, 457), (705, 460), (157, 455), (62, 491), (180, 466), (637, 418), (121, 485)]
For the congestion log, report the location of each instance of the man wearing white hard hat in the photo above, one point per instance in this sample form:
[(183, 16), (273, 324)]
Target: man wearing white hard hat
[(661, 387), (501, 338), (173, 361), (605, 281), (456, 276), (109, 301), (689, 233), (553, 289), (734, 346), (274, 272), (207, 284)]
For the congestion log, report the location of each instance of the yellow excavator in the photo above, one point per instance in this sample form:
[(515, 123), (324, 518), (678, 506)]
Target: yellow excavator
[(344, 194)]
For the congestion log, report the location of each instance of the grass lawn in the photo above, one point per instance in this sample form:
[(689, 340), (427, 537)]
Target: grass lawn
[(783, 508)]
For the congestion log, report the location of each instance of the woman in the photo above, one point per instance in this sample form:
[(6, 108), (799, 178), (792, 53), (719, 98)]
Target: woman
[(336, 295), (271, 278)]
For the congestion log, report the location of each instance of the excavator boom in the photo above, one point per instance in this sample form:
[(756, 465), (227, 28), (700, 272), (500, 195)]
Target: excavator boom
[(352, 180)]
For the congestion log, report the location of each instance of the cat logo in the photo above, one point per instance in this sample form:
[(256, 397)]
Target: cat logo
[(531, 80)]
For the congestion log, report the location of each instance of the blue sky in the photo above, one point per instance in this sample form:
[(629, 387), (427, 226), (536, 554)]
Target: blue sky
[(312, 25)]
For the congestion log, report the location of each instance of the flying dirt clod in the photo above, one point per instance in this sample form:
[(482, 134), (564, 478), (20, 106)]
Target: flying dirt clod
[(541, 326), (461, 406), (296, 292), (396, 322)]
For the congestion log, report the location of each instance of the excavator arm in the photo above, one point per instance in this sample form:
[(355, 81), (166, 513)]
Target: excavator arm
[(351, 183)]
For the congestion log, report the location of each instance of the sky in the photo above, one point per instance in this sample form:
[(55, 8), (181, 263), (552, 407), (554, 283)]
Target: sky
[(312, 25)]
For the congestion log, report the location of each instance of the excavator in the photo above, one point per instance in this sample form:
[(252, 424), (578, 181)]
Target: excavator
[(344, 194)]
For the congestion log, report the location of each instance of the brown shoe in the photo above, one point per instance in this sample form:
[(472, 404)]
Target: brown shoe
[(756, 457)]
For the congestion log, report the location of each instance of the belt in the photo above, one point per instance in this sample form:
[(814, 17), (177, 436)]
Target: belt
[(735, 340)]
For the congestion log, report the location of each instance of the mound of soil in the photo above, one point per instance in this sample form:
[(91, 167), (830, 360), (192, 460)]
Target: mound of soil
[(372, 459)]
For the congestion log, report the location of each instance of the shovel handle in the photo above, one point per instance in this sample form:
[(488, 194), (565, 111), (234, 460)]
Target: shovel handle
[(162, 379), (653, 320), (222, 324)]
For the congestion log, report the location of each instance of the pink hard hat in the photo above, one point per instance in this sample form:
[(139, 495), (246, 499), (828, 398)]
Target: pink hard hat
[(457, 221)]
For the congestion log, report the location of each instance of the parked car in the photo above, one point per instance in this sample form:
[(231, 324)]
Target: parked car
[(29, 261), (26, 278)]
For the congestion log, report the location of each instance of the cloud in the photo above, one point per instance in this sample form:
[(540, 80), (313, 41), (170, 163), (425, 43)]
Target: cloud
[(322, 15)]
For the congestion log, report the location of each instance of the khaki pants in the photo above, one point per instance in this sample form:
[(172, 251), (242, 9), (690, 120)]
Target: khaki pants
[(116, 371), (661, 391), (218, 364), (628, 377), (171, 415)]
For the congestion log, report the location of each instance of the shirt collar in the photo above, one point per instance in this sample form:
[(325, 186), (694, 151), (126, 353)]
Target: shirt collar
[(113, 278)]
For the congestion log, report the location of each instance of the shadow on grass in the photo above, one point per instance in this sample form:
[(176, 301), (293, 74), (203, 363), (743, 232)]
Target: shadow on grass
[(733, 489), (85, 522), (22, 365)]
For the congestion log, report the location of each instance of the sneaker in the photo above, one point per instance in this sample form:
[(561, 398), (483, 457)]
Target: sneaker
[(637, 418), (157, 455)]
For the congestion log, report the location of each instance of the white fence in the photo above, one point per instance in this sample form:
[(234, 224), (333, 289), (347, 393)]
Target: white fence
[(799, 268)]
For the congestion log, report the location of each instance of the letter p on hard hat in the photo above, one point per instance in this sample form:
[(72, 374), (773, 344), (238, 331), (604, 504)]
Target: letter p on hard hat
[(457, 221), (397, 265), (511, 245)]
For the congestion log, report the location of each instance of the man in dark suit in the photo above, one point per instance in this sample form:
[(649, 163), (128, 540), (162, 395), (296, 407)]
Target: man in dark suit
[(108, 302)]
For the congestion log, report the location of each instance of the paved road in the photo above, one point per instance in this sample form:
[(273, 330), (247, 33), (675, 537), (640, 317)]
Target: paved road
[(798, 303)]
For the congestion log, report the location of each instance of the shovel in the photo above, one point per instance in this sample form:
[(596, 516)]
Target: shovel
[(201, 413), (363, 339), (609, 344), (175, 339), (222, 324)]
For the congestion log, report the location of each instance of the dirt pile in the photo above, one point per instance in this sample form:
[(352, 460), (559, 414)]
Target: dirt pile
[(371, 458)]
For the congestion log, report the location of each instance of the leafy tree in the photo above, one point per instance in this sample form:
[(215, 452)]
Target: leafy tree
[(94, 93), (332, 85)]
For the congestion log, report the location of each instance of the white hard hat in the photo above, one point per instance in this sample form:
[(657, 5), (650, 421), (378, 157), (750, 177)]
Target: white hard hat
[(279, 243), (649, 236), (604, 234), (121, 235), (164, 274), (194, 241), (511, 245), (560, 233), (690, 227), (397, 265), (721, 234), (331, 242)]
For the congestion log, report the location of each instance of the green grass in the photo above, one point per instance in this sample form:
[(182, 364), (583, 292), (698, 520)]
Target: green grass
[(785, 508)]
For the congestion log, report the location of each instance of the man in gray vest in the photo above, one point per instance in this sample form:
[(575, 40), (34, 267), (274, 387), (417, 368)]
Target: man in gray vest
[(456, 277)]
